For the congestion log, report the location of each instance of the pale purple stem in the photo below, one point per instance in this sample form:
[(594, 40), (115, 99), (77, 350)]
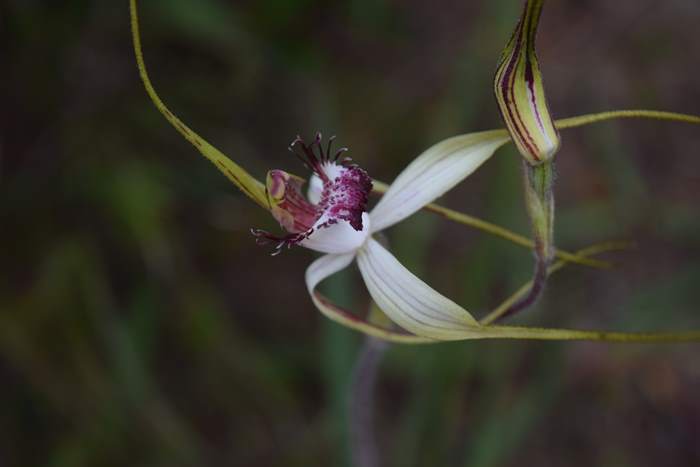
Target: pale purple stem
[(363, 442)]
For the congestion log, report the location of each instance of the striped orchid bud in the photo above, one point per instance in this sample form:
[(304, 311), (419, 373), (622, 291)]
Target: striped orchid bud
[(520, 93)]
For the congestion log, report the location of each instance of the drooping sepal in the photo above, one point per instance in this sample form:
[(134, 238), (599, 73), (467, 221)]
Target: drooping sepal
[(520, 92), (248, 184)]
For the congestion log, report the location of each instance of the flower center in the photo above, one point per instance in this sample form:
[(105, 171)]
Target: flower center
[(337, 201)]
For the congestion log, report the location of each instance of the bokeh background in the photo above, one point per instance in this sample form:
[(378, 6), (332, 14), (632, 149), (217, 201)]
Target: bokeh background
[(141, 325)]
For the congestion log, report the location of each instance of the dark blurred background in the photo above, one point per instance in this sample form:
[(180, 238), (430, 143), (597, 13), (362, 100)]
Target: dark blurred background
[(141, 325)]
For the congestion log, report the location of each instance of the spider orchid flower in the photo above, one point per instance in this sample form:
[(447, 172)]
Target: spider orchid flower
[(334, 219)]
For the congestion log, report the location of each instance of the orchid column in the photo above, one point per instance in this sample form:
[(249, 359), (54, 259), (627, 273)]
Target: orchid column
[(521, 100)]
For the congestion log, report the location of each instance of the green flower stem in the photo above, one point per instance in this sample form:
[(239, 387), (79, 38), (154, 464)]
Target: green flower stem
[(539, 200), (550, 334), (533, 293), (538, 183)]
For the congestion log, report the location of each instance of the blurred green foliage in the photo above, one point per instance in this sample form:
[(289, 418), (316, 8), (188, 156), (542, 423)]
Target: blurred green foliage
[(140, 325)]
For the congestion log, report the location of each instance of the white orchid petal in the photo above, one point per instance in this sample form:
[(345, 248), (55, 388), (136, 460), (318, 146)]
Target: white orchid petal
[(337, 238), (409, 301), (433, 173)]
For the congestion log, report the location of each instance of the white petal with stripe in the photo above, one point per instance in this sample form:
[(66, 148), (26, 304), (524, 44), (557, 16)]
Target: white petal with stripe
[(433, 173), (409, 301)]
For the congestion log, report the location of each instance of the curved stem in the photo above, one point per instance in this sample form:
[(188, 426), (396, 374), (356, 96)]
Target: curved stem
[(363, 442), (508, 303), (539, 200), (539, 279)]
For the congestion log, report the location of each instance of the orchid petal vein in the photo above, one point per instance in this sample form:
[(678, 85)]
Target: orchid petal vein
[(409, 301), (433, 173)]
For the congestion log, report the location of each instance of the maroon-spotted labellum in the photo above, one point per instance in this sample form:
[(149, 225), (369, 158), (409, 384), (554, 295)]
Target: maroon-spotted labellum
[(333, 219)]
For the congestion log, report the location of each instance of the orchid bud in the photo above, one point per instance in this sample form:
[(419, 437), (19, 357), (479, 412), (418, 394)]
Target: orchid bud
[(520, 93)]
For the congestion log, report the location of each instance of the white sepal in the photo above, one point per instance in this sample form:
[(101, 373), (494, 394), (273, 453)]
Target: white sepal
[(325, 267), (433, 173), (409, 301), (338, 238), (322, 268)]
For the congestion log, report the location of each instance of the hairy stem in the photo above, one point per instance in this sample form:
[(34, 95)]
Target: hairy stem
[(539, 199)]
